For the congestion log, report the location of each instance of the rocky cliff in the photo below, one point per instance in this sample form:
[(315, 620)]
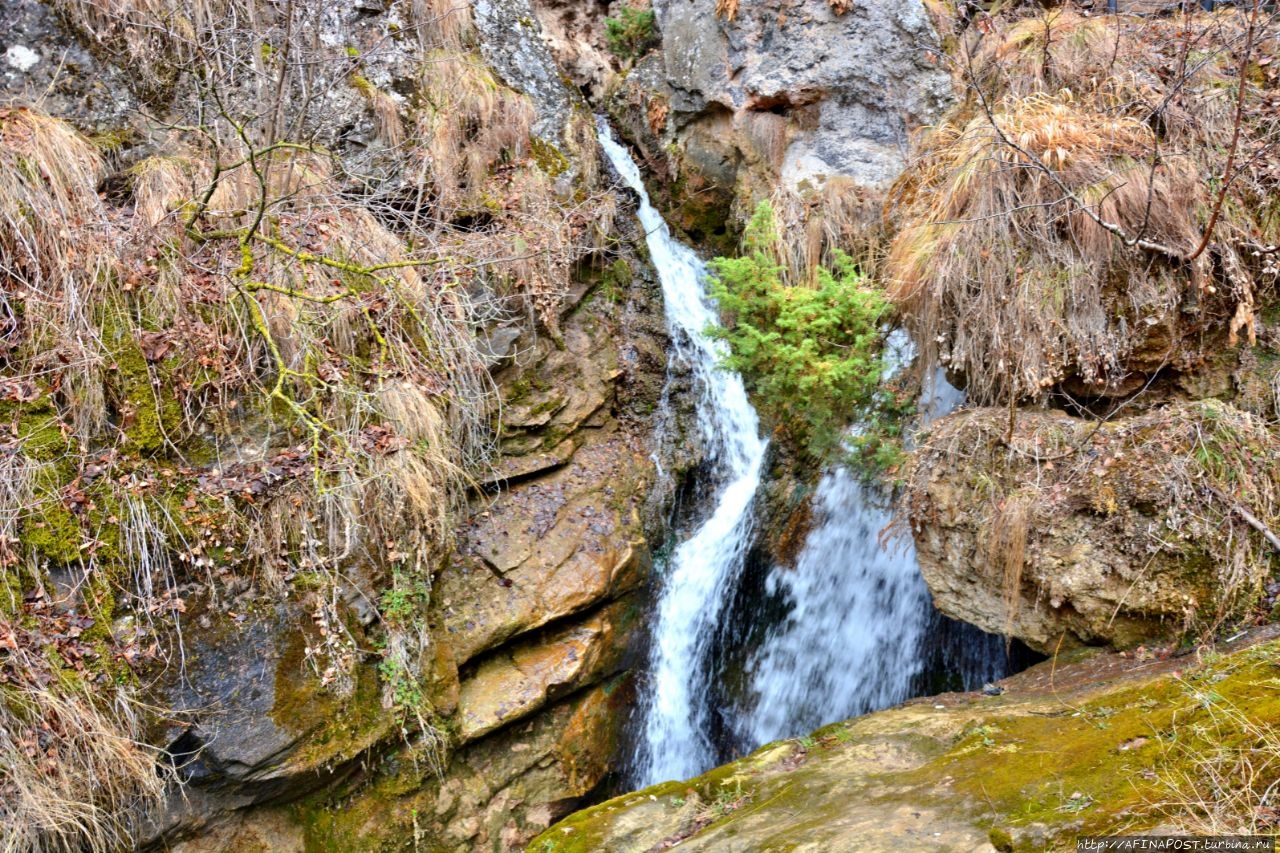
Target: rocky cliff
[(342, 473)]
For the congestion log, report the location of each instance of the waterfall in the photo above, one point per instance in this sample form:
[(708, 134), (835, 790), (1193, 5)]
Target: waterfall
[(701, 570), (859, 632), (861, 627), (859, 610)]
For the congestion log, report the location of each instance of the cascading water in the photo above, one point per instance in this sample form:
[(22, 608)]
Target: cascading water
[(702, 568), (860, 632), (859, 612), (860, 617)]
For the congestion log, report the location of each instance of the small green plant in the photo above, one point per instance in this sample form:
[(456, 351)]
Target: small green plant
[(631, 34), (406, 689), (810, 355), (403, 604)]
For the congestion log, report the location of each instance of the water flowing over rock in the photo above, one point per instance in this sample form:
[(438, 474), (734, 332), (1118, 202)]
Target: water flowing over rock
[(860, 632), (860, 610), (702, 567)]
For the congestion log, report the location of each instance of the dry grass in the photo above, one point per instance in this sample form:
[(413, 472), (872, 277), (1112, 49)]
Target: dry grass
[(1007, 548), (814, 224), (1001, 263), (278, 179), (164, 186), (1220, 765), (767, 133), (467, 124), (74, 773), (54, 257), (441, 24), (152, 38)]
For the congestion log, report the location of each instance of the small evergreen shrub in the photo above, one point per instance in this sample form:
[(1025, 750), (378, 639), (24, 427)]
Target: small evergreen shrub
[(631, 34), (809, 355)]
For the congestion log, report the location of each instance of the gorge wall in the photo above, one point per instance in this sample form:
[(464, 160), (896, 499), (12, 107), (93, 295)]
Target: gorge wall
[(318, 675), (337, 430)]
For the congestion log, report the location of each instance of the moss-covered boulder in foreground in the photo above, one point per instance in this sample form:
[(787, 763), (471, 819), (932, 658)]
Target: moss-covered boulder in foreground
[(1103, 743)]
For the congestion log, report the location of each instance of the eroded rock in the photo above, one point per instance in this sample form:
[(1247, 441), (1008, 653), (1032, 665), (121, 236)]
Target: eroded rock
[(513, 684), (1056, 530)]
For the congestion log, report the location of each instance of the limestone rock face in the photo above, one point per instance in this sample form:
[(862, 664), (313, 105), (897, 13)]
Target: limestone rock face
[(512, 684), (40, 61), (575, 34), (784, 99), (862, 79), (1063, 531), (512, 44)]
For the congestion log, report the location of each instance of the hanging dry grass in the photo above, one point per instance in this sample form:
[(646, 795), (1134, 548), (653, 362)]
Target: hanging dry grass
[(163, 185), (377, 355), (54, 258), (268, 181), (467, 124), (815, 224), (74, 773), (152, 38), (1054, 219), (767, 133), (441, 24), (386, 112), (1007, 548)]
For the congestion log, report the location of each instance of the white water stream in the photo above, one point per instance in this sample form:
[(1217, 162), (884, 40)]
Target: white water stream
[(702, 568), (860, 611), (859, 620)]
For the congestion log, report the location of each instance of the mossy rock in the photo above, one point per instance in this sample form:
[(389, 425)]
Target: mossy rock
[(150, 414), (1100, 746)]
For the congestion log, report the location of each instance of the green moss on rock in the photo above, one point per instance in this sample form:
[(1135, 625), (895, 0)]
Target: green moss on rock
[(1115, 746), (547, 157), (150, 414)]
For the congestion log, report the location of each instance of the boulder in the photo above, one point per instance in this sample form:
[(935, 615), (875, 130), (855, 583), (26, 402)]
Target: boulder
[(1061, 531), (1095, 745)]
